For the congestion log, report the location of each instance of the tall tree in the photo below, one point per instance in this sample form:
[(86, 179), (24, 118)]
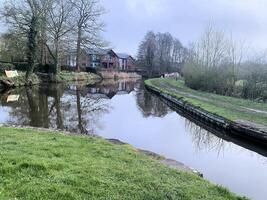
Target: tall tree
[(59, 26), (24, 16), (88, 25), (161, 53), (147, 52)]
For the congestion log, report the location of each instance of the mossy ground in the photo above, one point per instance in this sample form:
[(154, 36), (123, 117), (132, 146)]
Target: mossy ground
[(42, 165), (228, 107)]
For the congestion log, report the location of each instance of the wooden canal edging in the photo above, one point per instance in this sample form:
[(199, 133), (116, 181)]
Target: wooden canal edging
[(251, 133)]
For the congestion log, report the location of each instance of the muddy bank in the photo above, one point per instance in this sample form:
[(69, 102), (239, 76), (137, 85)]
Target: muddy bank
[(250, 131)]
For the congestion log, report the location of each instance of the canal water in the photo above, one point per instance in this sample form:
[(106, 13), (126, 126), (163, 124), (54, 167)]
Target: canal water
[(124, 110)]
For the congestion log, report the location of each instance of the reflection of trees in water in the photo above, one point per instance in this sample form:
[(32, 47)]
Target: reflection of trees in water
[(55, 107), (77, 108), (85, 111), (150, 105), (203, 139), (31, 109)]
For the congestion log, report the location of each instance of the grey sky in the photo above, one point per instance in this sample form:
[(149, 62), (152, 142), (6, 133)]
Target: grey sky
[(128, 20)]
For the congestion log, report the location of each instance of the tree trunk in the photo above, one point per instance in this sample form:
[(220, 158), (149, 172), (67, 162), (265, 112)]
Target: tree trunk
[(79, 111), (58, 110), (43, 47), (78, 52), (56, 63), (32, 47)]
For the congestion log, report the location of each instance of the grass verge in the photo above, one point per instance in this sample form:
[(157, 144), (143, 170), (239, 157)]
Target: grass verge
[(42, 165), (231, 108)]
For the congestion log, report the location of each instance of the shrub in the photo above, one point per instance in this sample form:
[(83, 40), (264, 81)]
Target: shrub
[(218, 79), (6, 66)]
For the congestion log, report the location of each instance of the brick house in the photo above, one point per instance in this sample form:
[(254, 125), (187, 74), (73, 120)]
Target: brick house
[(100, 58), (103, 58), (126, 62)]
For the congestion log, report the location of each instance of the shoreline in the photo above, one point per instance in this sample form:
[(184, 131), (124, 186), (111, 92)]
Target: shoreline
[(161, 159), (49, 164), (242, 130), (40, 78)]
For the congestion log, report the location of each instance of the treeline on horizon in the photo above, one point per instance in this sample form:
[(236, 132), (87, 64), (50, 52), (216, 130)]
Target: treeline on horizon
[(215, 63)]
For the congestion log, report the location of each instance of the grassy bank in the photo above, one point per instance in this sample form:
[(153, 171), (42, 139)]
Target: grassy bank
[(63, 76), (39, 165), (231, 108), (21, 79)]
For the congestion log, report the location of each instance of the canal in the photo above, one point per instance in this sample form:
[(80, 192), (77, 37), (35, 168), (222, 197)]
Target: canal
[(125, 110)]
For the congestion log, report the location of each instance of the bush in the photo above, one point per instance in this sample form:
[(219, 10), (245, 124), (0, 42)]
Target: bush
[(6, 66), (21, 66), (217, 79)]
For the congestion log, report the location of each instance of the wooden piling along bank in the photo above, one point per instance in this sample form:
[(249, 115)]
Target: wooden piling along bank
[(251, 133)]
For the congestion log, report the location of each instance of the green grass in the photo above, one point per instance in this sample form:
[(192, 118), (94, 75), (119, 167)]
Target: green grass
[(42, 165), (228, 107)]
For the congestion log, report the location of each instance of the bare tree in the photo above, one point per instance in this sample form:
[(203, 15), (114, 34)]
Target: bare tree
[(179, 56), (58, 26), (235, 52), (88, 25), (161, 53), (24, 16), (147, 52), (214, 62), (164, 43)]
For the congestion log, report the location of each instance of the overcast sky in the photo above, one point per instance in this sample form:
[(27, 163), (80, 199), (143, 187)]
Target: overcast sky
[(127, 21)]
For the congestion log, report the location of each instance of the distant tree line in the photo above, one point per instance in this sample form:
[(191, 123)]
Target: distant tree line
[(215, 63), (220, 64), (40, 31), (161, 53)]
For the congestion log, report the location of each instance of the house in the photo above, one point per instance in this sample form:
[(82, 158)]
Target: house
[(99, 58), (126, 62), (103, 58)]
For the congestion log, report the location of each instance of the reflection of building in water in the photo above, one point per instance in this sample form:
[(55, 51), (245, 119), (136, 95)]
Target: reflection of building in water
[(74, 108), (56, 107), (110, 88)]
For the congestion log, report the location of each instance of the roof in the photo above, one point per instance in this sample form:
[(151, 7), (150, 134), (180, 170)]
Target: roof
[(98, 51), (123, 55)]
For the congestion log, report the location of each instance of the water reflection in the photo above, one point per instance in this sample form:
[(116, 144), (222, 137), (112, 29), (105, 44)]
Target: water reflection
[(75, 107), (203, 139), (126, 111), (149, 104)]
